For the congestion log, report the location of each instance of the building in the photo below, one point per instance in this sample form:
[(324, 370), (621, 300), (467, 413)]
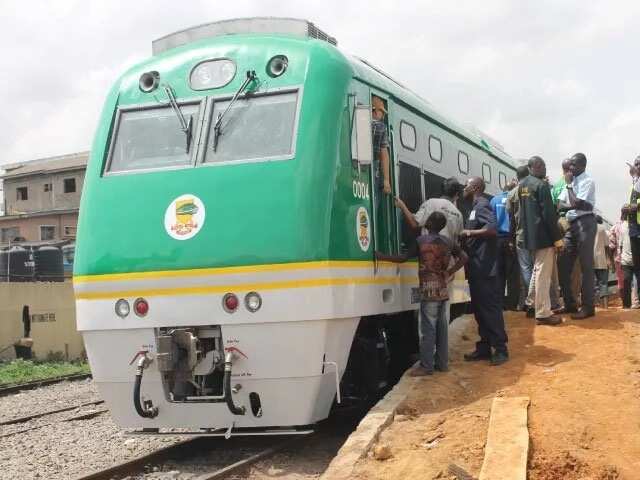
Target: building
[(42, 199)]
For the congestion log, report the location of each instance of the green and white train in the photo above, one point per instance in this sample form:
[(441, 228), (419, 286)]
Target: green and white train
[(225, 246)]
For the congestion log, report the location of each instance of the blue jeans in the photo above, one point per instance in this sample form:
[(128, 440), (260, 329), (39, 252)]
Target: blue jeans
[(434, 334), (525, 259)]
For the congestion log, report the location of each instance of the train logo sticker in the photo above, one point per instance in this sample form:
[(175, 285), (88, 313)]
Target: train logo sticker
[(184, 217), (363, 228)]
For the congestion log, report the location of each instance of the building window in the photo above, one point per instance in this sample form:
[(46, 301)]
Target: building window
[(47, 232), (69, 185), (22, 193), (463, 162), (69, 231), (407, 135), (486, 172), (8, 234), (502, 180), (47, 187)]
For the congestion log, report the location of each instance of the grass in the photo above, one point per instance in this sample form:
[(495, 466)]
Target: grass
[(21, 371)]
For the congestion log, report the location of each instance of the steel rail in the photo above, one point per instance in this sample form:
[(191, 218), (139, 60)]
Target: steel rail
[(9, 389), (50, 412), (82, 416), (134, 466)]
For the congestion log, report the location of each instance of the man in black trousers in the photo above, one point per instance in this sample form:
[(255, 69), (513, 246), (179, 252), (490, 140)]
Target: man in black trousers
[(578, 199), (480, 239)]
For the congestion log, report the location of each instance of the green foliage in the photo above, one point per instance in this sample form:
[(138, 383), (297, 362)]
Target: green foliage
[(21, 371)]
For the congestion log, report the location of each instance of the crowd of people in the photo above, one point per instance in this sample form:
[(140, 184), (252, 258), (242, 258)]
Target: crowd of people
[(536, 247)]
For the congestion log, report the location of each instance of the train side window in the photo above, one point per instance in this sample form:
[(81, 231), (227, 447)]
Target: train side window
[(463, 162), (486, 172), (435, 149), (502, 180), (432, 185), (411, 193), (407, 135)]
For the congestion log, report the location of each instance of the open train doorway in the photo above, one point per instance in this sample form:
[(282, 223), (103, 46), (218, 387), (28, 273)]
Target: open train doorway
[(383, 178)]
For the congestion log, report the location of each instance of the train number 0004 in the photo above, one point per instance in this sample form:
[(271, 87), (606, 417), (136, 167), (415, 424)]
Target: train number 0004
[(361, 190)]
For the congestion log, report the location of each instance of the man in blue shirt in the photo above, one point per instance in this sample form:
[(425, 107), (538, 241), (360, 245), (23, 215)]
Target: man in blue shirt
[(508, 269), (578, 199)]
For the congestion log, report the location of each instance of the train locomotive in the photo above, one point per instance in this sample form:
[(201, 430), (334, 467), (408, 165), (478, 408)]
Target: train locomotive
[(224, 273)]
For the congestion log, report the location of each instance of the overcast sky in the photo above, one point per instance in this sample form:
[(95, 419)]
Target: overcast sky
[(550, 78)]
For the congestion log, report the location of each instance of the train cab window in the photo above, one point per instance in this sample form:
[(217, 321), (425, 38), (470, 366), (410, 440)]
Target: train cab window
[(502, 180), (435, 149), (408, 135), (486, 172), (463, 162), (151, 138), (255, 127)]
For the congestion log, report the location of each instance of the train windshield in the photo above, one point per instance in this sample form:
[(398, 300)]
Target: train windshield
[(151, 138), (254, 127)]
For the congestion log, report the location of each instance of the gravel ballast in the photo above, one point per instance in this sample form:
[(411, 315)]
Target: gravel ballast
[(60, 449)]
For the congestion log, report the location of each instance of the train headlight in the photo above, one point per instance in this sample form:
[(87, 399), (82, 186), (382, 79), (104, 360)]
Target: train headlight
[(253, 301), (212, 74), (230, 302), (277, 66), (122, 308), (141, 307)]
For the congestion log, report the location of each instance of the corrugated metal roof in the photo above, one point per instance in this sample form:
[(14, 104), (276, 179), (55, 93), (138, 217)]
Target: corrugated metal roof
[(49, 164)]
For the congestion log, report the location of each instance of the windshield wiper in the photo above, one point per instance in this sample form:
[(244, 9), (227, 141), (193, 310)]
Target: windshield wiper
[(217, 127), (184, 125)]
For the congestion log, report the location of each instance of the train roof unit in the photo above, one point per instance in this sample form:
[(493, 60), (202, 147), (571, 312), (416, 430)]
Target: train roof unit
[(239, 26)]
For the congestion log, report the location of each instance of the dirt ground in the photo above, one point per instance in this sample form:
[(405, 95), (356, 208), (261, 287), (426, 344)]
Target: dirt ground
[(583, 379)]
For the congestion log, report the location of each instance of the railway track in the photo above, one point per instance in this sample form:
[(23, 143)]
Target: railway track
[(9, 389), (214, 458), (253, 451), (40, 415)]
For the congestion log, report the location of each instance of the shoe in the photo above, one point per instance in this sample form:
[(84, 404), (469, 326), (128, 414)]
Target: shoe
[(441, 369), (420, 371), (531, 312), (552, 320), (565, 310), (635, 307), (476, 355), (582, 314), (499, 358)]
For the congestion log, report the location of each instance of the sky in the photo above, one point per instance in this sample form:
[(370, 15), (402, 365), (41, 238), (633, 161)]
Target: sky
[(546, 78)]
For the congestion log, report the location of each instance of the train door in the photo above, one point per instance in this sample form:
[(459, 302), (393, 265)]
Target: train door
[(383, 206)]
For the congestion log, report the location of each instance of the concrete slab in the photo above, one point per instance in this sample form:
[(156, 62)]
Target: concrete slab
[(507, 448), (380, 416)]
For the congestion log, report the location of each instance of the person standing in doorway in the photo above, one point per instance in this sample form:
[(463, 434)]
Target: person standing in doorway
[(380, 144), (479, 238), (578, 198), (542, 236)]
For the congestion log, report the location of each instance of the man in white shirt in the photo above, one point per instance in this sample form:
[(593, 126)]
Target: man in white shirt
[(451, 190), (578, 199)]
